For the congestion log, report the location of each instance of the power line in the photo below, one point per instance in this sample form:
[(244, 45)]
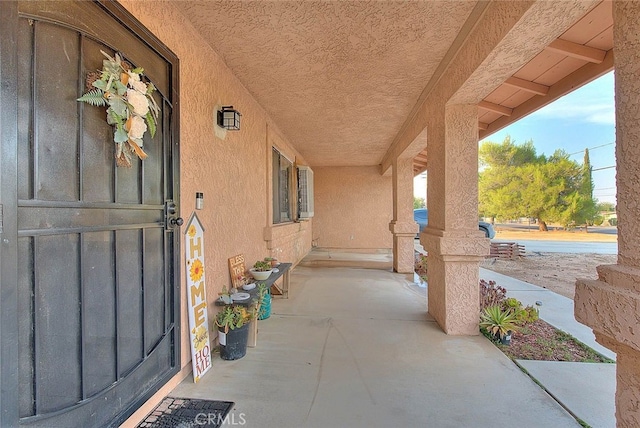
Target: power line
[(604, 167), (596, 147)]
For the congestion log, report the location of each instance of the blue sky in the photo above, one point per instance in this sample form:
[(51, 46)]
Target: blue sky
[(585, 118)]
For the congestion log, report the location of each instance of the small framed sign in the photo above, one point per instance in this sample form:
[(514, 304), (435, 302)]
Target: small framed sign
[(237, 270)]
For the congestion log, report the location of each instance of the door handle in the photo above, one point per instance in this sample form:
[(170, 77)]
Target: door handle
[(171, 218)]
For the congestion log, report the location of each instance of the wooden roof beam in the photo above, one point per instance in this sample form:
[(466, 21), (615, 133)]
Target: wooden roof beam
[(483, 126), (496, 108), (526, 85), (585, 74), (575, 50)]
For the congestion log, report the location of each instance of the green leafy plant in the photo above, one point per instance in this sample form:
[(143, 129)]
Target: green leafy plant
[(232, 317), (492, 294), (498, 322), (272, 261), (512, 303), (527, 315), (262, 266), (263, 290)]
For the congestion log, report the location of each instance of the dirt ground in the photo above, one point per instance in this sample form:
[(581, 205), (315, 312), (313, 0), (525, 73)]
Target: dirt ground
[(555, 271)]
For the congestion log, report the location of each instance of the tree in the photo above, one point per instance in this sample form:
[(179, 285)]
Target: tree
[(605, 206), (507, 153), (419, 203), (548, 188), (499, 186), (604, 209), (584, 206), (515, 182)]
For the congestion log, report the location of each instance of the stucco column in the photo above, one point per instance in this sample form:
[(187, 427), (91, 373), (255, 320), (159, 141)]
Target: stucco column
[(403, 227), (611, 304), (452, 239)]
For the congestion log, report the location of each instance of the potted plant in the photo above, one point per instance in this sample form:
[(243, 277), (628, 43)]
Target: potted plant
[(261, 270), (272, 260), (233, 331), (245, 282), (499, 323)]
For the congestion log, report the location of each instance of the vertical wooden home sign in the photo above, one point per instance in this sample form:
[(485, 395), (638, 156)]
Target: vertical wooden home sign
[(197, 298)]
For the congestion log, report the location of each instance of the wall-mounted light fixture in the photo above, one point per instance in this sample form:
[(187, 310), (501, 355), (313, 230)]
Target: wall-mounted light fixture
[(228, 118)]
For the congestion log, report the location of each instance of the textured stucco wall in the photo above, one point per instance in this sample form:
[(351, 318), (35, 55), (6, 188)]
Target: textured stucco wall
[(325, 48), (232, 168), (454, 244), (353, 208), (611, 305), (626, 37)]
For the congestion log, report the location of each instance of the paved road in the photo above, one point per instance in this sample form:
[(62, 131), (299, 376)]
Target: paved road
[(608, 230), (566, 246)]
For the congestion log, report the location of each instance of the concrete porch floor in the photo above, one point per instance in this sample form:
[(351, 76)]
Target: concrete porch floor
[(355, 348)]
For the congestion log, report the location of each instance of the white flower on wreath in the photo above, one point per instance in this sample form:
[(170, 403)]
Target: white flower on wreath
[(137, 129), (133, 77), (138, 101)]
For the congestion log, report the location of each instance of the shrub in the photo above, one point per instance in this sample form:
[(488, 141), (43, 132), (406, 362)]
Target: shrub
[(512, 303), (494, 295), (491, 294), (421, 266), (528, 315), (498, 322)]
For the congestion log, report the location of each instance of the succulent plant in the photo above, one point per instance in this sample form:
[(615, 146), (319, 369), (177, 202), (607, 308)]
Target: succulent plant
[(498, 322), (262, 266)]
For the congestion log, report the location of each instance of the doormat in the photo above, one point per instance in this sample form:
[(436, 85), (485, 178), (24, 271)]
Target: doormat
[(187, 412)]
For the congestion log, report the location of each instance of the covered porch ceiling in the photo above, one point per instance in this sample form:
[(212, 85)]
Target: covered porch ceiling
[(342, 78)]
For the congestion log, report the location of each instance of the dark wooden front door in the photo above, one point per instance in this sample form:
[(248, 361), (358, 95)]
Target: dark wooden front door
[(89, 271)]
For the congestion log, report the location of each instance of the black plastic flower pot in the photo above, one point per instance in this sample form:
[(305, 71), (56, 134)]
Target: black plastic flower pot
[(235, 343), (506, 339)]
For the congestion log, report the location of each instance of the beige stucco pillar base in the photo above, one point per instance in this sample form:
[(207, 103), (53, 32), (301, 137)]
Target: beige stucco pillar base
[(453, 291), (403, 227), (627, 386), (404, 234), (611, 306)]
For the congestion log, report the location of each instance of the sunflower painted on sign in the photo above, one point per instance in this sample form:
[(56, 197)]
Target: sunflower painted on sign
[(192, 231), (196, 270)]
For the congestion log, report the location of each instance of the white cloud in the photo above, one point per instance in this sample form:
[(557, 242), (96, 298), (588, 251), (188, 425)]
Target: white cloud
[(589, 111), (593, 103)]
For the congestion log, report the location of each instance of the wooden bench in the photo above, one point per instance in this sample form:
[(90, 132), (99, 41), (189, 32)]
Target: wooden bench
[(283, 271)]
